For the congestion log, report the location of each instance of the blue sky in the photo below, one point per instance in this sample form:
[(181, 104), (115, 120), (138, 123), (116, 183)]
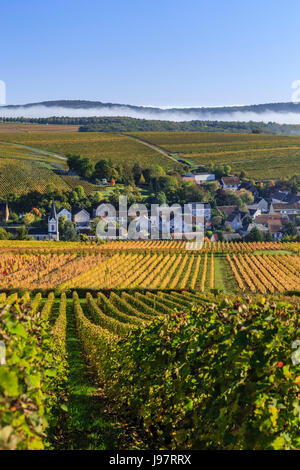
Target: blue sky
[(152, 52)]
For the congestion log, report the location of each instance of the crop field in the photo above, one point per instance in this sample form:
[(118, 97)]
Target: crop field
[(261, 156), (125, 344), (24, 169), (6, 127), (100, 338), (118, 148), (19, 176), (167, 265)]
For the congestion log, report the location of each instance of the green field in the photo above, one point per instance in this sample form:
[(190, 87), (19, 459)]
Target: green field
[(261, 156), (27, 159), (22, 170), (118, 148), (27, 165)]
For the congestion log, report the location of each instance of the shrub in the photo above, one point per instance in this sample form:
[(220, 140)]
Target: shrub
[(217, 377), (30, 379)]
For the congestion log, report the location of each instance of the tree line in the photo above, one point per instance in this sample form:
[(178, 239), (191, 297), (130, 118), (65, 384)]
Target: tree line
[(127, 124)]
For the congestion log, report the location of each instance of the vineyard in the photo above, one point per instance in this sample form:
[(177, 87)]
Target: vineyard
[(22, 171), (117, 147), (118, 345), (262, 267), (261, 156), (28, 157)]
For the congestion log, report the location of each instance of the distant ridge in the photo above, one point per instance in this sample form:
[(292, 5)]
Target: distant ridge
[(287, 107)]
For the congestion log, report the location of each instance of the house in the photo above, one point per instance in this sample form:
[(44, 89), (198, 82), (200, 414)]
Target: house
[(264, 219), (230, 182), (189, 177), (262, 228), (260, 204), (272, 223), (100, 210), (204, 177), (80, 217), (285, 209), (284, 197), (65, 213), (197, 210), (199, 178), (235, 220), (231, 236), (39, 233), (227, 210), (276, 229), (193, 214), (4, 212), (140, 227), (254, 212)]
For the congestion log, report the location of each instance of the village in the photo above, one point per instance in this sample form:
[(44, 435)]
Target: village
[(261, 218)]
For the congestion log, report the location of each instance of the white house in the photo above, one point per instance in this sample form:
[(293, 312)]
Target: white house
[(199, 178), (230, 182), (260, 204), (81, 217), (64, 212), (235, 220)]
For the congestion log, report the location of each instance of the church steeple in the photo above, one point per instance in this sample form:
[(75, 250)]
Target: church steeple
[(53, 211), (53, 223)]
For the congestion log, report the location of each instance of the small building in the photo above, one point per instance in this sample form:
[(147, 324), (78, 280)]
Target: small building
[(285, 209), (199, 178), (284, 196), (230, 182), (260, 203), (228, 236), (80, 217), (235, 220), (227, 210), (65, 213)]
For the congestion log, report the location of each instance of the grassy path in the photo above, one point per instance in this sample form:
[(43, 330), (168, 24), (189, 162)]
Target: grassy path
[(86, 426), (37, 151), (223, 275), (154, 147)]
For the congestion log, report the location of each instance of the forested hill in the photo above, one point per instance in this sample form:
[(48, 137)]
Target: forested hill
[(127, 124), (95, 116), (288, 107), (124, 124)]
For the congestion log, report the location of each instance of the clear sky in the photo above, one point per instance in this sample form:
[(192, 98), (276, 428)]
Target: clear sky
[(151, 52)]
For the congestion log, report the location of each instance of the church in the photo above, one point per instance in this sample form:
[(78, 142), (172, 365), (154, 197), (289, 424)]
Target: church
[(41, 234)]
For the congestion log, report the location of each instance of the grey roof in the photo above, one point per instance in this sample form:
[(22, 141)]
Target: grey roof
[(77, 209), (53, 211)]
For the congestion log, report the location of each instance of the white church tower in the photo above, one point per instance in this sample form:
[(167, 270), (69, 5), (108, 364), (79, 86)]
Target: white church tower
[(53, 223)]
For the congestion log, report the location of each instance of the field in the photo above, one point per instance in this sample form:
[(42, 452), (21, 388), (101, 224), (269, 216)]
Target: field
[(28, 153), (149, 345), (170, 266), (96, 146), (24, 169), (26, 128), (261, 156), (27, 158)]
